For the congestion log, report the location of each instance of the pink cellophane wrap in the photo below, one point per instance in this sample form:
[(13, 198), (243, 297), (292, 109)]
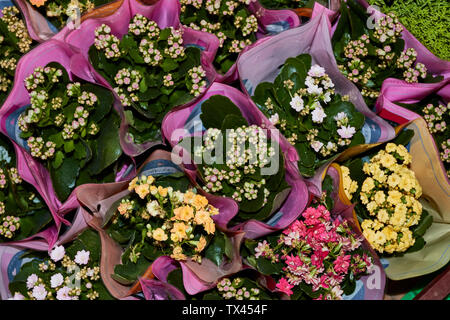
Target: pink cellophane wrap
[(370, 287), (30, 169), (197, 277), (38, 27), (166, 14), (396, 91), (259, 63), (185, 121)]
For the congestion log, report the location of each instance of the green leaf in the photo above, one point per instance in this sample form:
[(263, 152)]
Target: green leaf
[(216, 249), (425, 222), (105, 100), (169, 65), (69, 146), (306, 155), (129, 272), (404, 137), (58, 160), (233, 121), (266, 267), (64, 178), (215, 109), (106, 147)]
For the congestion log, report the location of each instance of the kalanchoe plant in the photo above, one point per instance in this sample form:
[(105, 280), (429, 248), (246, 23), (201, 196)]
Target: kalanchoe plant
[(14, 42), (387, 198), (239, 161), (59, 12), (437, 115), (316, 257), (72, 128), (150, 71), (369, 56), (231, 21), (22, 211), (70, 273), (160, 217), (303, 105)]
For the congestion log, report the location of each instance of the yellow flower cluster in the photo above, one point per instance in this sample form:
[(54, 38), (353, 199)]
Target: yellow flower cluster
[(350, 186), (180, 214), (390, 194)]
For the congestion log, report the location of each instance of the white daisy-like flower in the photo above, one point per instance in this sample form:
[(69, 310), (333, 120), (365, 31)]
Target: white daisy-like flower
[(327, 97), (57, 253), (39, 292), (318, 114), (316, 71), (309, 81), (297, 103), (153, 208), (340, 116), (82, 257), (63, 294), (346, 132), (314, 89), (56, 280), (316, 145), (327, 84), (330, 145), (274, 119), (31, 281)]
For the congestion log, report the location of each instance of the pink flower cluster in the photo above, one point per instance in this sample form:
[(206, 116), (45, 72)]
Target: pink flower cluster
[(319, 252)]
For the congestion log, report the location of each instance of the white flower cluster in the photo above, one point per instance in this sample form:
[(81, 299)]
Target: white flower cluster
[(60, 286), (247, 151)]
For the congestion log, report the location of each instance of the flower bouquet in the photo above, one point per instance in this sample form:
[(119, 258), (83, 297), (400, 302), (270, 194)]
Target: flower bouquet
[(72, 128), (23, 213), (302, 103), (387, 198), (147, 234), (15, 42), (156, 221), (150, 70), (316, 257), (236, 24), (67, 273), (369, 55)]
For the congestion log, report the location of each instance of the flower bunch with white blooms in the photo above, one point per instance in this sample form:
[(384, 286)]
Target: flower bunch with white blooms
[(150, 70), (70, 273), (65, 124), (230, 20), (303, 105)]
